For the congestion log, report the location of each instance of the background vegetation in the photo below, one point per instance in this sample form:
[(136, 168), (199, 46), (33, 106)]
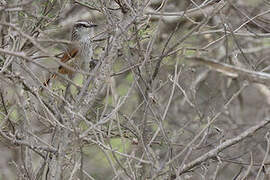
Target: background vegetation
[(180, 90)]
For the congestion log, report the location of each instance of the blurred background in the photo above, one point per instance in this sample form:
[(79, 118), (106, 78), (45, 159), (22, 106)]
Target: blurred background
[(179, 90)]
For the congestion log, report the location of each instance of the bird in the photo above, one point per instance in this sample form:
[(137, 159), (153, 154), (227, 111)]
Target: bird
[(80, 52)]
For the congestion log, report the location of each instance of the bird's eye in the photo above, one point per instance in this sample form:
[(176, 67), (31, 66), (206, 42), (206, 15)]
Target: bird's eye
[(81, 25), (85, 25)]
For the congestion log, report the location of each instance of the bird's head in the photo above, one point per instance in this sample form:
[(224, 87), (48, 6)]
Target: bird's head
[(83, 29)]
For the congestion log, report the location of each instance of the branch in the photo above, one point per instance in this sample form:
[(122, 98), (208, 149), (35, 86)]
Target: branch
[(233, 71), (224, 145)]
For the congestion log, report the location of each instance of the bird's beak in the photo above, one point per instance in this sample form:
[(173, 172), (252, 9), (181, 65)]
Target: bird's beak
[(93, 25)]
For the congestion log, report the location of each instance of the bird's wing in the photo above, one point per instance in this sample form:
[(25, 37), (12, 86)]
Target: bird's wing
[(69, 55), (66, 57)]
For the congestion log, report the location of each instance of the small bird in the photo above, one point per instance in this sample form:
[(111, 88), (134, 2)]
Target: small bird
[(80, 52)]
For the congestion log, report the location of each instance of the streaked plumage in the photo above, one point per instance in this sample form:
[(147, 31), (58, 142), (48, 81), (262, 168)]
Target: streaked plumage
[(80, 52)]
